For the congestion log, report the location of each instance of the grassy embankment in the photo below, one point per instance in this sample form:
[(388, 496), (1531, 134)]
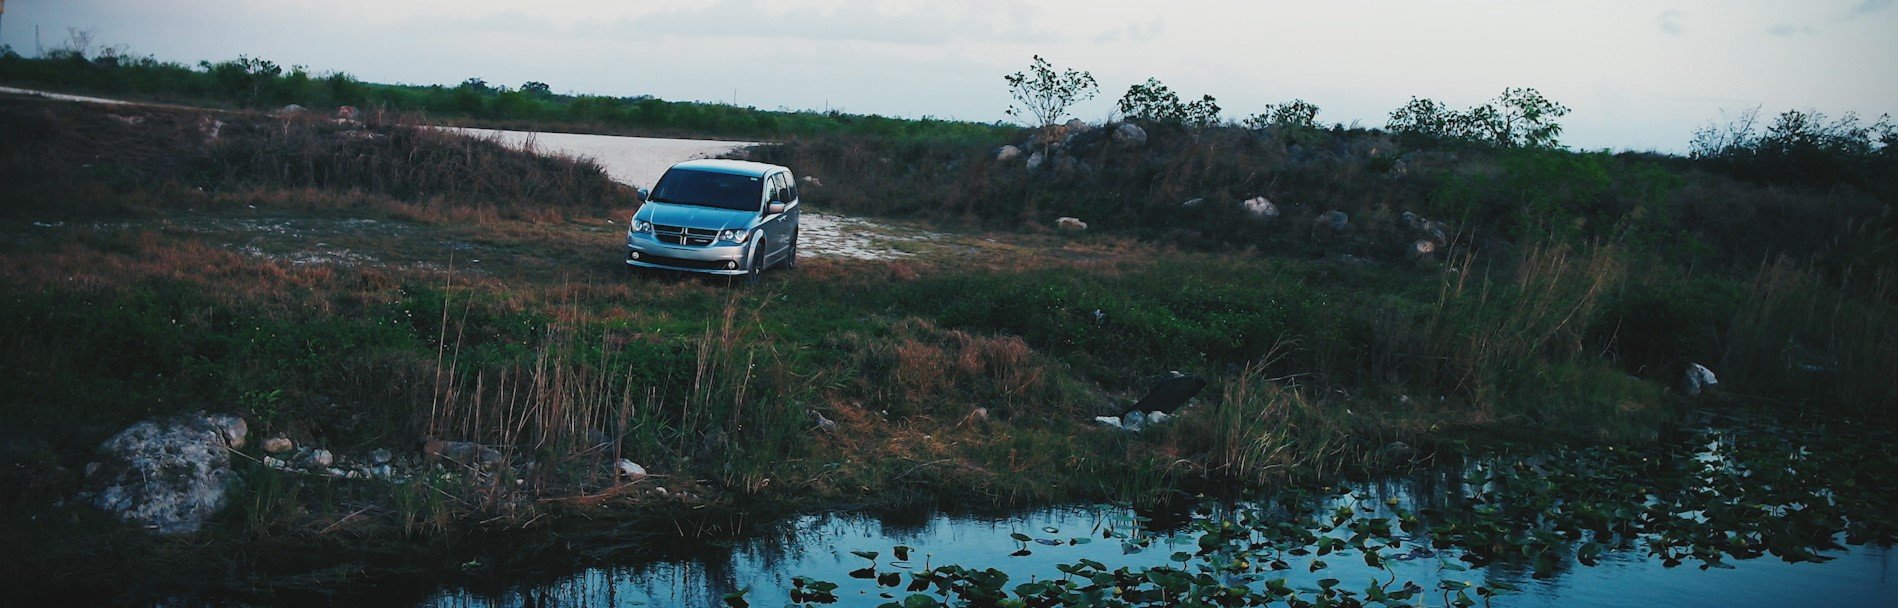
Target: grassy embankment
[(262, 84), (1576, 287)]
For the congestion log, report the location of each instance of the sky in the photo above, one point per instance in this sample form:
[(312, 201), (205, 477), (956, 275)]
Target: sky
[(1638, 75)]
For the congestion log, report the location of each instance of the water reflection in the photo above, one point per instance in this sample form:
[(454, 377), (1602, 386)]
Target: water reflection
[(1029, 547)]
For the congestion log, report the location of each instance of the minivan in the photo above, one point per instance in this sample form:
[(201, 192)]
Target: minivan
[(722, 217)]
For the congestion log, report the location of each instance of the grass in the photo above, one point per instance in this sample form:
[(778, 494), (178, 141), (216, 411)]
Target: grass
[(260, 84), (951, 381)]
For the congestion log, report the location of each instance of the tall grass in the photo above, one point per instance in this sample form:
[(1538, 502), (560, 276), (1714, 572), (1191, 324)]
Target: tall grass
[(1799, 338)]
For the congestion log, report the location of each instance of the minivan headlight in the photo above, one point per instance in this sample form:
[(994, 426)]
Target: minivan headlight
[(642, 226), (734, 236)]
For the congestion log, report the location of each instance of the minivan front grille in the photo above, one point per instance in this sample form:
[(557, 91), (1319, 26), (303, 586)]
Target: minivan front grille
[(680, 235)]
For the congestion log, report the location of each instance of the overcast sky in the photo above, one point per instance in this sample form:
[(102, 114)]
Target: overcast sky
[(1638, 75)]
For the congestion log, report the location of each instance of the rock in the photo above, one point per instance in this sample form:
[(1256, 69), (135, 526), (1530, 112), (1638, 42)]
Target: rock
[(275, 462), (1698, 380), (319, 459), (211, 128), (1423, 227), (335, 472), (980, 413), (1422, 248), (1036, 160), (1170, 393), (1130, 135), (1064, 163), (1076, 125), (380, 456), (168, 474), (233, 428), (347, 113), (382, 471), (1113, 421), (1069, 224), (812, 181), (278, 445), (1193, 203), (1134, 420), (1333, 220), (1158, 417), (462, 452), (291, 109), (1100, 317), (825, 424), (1007, 153), (1260, 208), (629, 469)]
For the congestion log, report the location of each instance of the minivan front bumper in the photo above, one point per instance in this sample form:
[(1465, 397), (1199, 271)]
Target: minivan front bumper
[(643, 251)]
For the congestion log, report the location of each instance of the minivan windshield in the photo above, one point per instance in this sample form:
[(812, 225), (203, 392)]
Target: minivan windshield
[(709, 189)]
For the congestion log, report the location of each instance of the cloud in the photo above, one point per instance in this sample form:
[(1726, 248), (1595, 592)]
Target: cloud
[(1134, 33), (859, 21), (1670, 23), (1787, 29), (1866, 8)]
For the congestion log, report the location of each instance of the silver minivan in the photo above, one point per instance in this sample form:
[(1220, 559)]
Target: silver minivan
[(725, 217)]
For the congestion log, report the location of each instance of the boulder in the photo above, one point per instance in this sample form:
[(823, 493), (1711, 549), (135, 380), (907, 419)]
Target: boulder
[(1036, 160), (1076, 125), (1260, 208), (1333, 221), (1421, 248), (1171, 392), (1069, 224), (380, 456), (1193, 203), (291, 109), (1130, 135), (278, 445), (812, 181), (629, 469), (168, 474), (318, 459), (1698, 380), (348, 113), (1113, 421), (1007, 153), (1425, 228), (1134, 420), (463, 452)]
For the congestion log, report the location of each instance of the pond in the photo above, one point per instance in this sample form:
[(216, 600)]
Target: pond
[(1757, 516)]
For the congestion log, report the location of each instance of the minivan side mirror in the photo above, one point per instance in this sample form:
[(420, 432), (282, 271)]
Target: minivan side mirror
[(644, 194), (774, 208)]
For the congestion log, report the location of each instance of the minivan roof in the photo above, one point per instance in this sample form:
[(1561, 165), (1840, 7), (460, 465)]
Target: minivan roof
[(734, 167)]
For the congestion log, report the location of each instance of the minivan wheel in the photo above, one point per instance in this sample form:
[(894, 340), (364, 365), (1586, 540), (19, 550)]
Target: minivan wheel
[(790, 256), (757, 262)]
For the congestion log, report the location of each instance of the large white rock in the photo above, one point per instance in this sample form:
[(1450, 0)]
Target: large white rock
[(1069, 224), (1130, 135), (1260, 208), (1007, 153), (167, 474), (1698, 379)]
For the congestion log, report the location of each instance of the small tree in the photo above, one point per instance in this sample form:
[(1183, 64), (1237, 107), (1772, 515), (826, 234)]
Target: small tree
[(1294, 114), (1154, 101), (1045, 95), (1426, 117), (1520, 117)]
